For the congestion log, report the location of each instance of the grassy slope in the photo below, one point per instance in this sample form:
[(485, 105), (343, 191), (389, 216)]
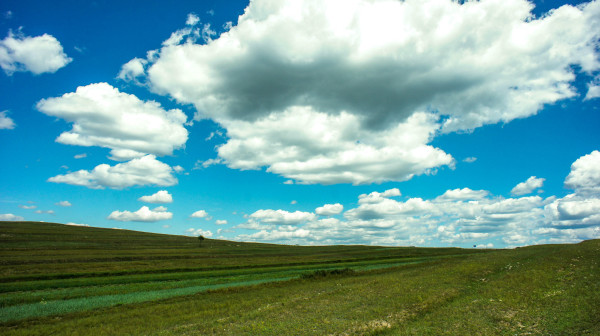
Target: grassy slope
[(535, 290)]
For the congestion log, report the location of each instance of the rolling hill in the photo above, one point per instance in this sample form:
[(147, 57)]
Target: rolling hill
[(60, 279)]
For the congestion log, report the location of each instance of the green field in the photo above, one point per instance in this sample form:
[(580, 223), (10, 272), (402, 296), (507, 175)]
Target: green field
[(65, 280)]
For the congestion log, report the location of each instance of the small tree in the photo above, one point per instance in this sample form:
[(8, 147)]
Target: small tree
[(200, 239)]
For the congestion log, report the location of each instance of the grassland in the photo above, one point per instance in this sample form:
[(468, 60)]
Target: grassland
[(63, 280)]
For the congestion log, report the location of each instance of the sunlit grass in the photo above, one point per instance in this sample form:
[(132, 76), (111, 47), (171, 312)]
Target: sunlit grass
[(281, 290)]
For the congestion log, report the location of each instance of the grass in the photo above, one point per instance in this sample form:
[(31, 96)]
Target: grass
[(169, 285)]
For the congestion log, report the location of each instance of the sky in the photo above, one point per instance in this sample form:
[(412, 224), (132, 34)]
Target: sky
[(402, 123)]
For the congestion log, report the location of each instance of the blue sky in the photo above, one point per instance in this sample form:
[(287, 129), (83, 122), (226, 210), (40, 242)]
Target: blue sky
[(427, 123)]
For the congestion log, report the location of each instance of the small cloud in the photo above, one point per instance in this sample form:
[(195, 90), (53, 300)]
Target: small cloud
[(80, 156), (528, 186), (64, 203), (166, 226), (11, 218), (144, 214), (289, 182), (133, 70), (205, 164), (213, 135), (593, 91), (221, 221), (329, 209), (192, 19), (470, 159), (29, 207), (294, 202), (201, 214), (198, 232), (39, 54), (47, 212), (161, 196), (76, 224), (210, 12), (160, 209), (178, 169), (8, 15), (141, 171), (6, 122)]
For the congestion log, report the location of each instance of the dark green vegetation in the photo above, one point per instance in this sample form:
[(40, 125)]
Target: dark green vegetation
[(57, 279)]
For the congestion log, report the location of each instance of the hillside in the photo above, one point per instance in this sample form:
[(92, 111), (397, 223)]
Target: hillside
[(58, 279)]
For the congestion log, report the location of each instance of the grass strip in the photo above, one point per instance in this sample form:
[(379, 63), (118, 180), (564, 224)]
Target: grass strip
[(60, 307), (97, 281), (17, 298)]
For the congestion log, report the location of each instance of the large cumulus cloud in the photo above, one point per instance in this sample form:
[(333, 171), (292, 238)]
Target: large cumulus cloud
[(364, 68)]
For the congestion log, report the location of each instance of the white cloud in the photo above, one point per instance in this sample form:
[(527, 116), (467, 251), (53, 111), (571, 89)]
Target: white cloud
[(160, 209), (281, 217), (354, 91), (221, 221), (133, 70), (76, 224), (461, 216), (470, 159), (161, 196), (329, 209), (593, 91), (463, 194), (142, 171), (377, 197), (201, 214), (192, 19), (528, 186), (45, 212), (5, 121), (314, 147), (103, 116), (37, 54), (584, 177), (207, 163), (199, 232), (10, 218), (144, 214), (28, 207), (440, 61), (80, 156), (576, 208), (64, 203), (276, 235)]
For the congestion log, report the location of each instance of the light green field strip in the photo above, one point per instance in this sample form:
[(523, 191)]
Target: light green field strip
[(35, 285), (59, 307), (18, 298)]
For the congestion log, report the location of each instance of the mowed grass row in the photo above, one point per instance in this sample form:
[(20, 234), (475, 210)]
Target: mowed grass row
[(79, 268), (540, 290), (57, 302), (37, 291), (30, 251)]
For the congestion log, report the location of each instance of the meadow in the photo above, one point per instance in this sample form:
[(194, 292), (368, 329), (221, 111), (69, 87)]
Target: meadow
[(66, 280)]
